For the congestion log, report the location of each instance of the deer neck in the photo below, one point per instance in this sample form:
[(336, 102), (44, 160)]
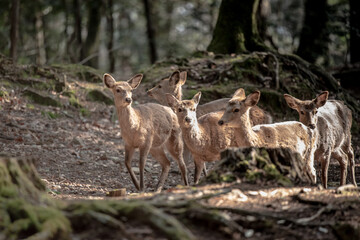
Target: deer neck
[(128, 117), (194, 134), (250, 138)]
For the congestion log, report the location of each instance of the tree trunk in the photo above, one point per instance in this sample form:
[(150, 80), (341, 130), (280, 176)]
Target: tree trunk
[(150, 32), (236, 28), (110, 29), (78, 28), (14, 29), (93, 26), (314, 36), (66, 28), (40, 39), (354, 31)]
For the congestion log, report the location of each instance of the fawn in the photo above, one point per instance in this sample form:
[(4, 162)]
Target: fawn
[(201, 135), (292, 135), (173, 85), (331, 121), (149, 127)]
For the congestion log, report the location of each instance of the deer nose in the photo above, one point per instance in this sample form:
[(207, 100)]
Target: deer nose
[(187, 119), (128, 100), (221, 122), (312, 126)]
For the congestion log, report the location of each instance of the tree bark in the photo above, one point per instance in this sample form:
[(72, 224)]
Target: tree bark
[(110, 30), (78, 28), (93, 26), (40, 39), (14, 29), (354, 31), (150, 31), (314, 36), (236, 28)]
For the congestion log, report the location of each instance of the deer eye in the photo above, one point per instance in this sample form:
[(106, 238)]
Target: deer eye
[(302, 112), (236, 110), (118, 90), (179, 110), (315, 112), (159, 86)]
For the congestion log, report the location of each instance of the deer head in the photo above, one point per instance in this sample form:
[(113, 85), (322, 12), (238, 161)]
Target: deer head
[(122, 90), (307, 109)]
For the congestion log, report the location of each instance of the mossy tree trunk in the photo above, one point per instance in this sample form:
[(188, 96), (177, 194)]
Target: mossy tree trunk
[(314, 36), (236, 29)]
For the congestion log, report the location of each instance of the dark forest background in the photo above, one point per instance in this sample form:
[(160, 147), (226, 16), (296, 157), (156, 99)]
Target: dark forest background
[(127, 36)]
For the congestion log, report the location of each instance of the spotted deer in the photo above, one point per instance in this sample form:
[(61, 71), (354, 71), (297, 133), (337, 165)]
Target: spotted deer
[(148, 127), (202, 136), (331, 121), (292, 135)]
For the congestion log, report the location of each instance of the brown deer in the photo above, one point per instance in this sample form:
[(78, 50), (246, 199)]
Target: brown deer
[(149, 127), (202, 135), (173, 85), (331, 121), (292, 134)]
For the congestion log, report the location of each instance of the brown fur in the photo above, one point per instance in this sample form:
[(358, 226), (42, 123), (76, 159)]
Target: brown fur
[(149, 127), (201, 135), (173, 86), (292, 135), (332, 122)]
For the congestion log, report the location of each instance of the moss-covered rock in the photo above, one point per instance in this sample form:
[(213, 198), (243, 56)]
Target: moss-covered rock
[(99, 96), (258, 165), (41, 98)]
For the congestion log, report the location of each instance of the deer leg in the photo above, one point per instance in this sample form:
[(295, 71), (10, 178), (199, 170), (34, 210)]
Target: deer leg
[(143, 156), (199, 166), (160, 156), (129, 152), (350, 155), (204, 170), (341, 157), (325, 161), (176, 148)]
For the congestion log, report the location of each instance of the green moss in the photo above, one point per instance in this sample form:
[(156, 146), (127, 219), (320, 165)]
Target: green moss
[(50, 115), (73, 101), (30, 106), (85, 112)]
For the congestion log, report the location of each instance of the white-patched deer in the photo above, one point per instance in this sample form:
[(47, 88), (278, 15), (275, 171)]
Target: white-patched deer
[(331, 121), (202, 135), (291, 135), (173, 85), (149, 127)]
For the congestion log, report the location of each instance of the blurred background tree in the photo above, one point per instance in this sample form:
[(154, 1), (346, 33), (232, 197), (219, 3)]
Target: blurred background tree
[(127, 36)]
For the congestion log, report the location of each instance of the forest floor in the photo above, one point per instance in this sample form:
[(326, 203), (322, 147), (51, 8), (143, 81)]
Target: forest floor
[(78, 151), (82, 157)]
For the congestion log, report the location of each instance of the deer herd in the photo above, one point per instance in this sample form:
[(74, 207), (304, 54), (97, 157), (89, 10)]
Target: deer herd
[(188, 130)]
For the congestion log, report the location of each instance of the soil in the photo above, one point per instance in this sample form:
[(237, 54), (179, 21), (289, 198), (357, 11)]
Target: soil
[(82, 157)]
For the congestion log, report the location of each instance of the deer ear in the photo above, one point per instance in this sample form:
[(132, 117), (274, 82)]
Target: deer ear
[(291, 101), (109, 81), (321, 99), (135, 81), (196, 98), (240, 93), (183, 77), (174, 78), (172, 101), (252, 99)]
